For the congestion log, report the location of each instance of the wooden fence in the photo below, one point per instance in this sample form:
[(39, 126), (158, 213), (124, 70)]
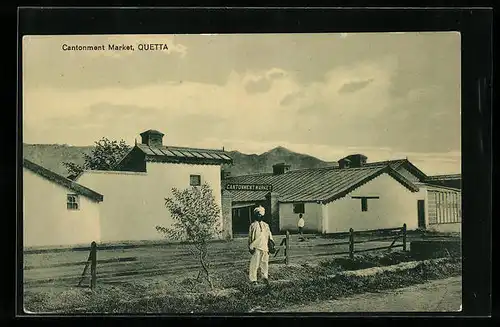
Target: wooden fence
[(117, 264), (355, 238)]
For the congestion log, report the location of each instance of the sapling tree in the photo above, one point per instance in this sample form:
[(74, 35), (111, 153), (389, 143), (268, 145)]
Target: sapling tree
[(104, 156), (196, 220)]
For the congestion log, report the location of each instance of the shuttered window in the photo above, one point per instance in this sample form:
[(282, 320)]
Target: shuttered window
[(72, 202), (444, 207), (195, 180)]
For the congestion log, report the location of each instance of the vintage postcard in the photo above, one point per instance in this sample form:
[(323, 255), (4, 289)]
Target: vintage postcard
[(240, 173)]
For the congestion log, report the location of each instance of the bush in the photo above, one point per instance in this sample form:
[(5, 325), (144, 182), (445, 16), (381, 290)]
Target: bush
[(196, 217)]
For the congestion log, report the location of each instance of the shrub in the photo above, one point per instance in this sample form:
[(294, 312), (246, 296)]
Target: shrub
[(196, 218)]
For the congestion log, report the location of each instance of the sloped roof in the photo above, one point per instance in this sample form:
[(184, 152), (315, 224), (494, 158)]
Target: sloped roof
[(434, 187), (61, 180), (447, 177), (396, 163), (152, 131), (312, 185), (172, 153)]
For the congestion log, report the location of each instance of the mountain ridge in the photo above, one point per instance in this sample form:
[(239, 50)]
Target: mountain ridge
[(52, 156)]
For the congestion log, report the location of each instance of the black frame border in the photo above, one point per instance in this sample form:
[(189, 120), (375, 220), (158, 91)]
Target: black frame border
[(474, 24)]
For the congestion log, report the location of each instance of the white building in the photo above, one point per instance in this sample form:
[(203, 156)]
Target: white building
[(136, 190), (56, 210), (356, 195)]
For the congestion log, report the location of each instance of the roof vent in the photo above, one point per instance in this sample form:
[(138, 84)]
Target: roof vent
[(353, 161), (225, 174), (152, 138), (344, 163), (280, 168)]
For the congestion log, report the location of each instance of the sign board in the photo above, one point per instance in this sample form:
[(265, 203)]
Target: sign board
[(249, 187)]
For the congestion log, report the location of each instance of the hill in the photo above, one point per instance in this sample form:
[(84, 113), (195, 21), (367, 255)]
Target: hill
[(244, 164), (51, 156)]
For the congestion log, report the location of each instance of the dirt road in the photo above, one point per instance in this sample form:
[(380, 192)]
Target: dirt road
[(437, 296)]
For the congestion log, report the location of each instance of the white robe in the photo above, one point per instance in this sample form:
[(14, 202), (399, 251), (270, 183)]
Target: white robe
[(258, 236)]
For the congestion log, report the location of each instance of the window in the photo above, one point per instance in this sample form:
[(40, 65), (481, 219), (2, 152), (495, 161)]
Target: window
[(72, 202), (364, 201), (195, 180), (298, 208), (364, 204), (445, 208)]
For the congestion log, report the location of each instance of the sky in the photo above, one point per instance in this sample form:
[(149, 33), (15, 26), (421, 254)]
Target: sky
[(385, 95)]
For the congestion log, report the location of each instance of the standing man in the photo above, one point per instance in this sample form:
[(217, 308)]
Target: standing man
[(300, 225), (258, 237)]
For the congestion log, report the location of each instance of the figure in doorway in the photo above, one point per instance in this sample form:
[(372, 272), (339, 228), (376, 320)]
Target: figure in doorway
[(259, 236), (300, 225)]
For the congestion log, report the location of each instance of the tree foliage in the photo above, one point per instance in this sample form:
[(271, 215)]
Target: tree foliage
[(196, 220), (104, 156)]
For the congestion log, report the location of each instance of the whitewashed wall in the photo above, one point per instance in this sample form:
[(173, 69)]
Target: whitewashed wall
[(46, 219), (312, 217), (397, 205), (135, 202)]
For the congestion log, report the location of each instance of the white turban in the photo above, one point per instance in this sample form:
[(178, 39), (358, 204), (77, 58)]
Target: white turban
[(260, 210)]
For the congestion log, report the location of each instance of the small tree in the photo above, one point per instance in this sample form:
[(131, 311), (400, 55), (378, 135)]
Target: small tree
[(196, 217), (104, 156)]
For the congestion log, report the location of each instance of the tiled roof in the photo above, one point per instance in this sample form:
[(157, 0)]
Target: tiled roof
[(61, 180), (396, 163), (152, 131), (172, 153), (444, 177), (312, 185), (430, 186)]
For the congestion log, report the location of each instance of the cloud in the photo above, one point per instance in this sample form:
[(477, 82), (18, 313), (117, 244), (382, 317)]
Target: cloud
[(261, 85), (262, 81), (171, 101), (331, 100), (290, 98), (285, 110), (354, 86)]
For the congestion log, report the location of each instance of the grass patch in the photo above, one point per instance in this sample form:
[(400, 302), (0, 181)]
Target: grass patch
[(364, 261), (183, 294)]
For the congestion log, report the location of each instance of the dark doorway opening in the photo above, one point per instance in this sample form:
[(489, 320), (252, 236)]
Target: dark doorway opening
[(242, 219), (421, 213)]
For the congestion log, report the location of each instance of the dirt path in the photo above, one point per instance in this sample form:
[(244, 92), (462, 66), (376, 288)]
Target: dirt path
[(438, 296)]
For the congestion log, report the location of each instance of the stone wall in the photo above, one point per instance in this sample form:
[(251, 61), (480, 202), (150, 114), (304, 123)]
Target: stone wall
[(272, 200), (227, 215)]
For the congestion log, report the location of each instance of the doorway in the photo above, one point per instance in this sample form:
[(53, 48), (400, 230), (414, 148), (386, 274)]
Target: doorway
[(241, 219), (421, 213)]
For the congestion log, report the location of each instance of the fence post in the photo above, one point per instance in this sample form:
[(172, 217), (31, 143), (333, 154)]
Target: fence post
[(404, 237), (85, 269), (287, 248), (93, 258), (351, 243)]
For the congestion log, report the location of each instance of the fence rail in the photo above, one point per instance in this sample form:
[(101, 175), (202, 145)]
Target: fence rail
[(400, 233), (157, 260)]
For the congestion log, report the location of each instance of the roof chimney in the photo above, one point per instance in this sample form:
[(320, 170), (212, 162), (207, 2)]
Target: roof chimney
[(353, 161), (280, 168), (225, 174), (344, 163), (152, 138)]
